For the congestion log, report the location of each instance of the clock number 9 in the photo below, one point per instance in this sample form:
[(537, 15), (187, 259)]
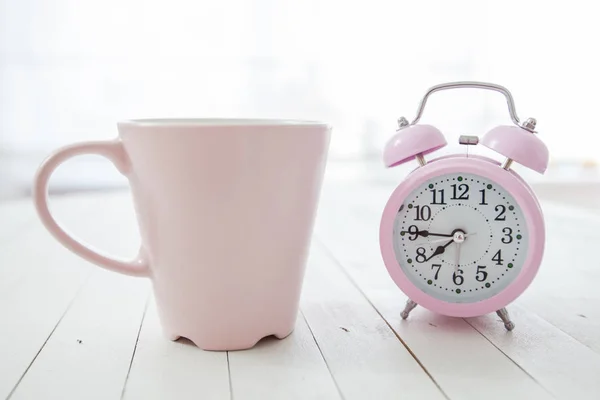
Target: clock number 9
[(413, 231), (458, 279)]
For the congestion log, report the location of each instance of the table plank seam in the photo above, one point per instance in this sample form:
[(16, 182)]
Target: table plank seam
[(135, 346), (229, 378), (353, 282), (337, 387), (71, 302), (513, 361)]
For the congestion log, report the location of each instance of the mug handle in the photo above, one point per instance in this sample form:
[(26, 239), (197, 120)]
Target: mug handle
[(112, 150)]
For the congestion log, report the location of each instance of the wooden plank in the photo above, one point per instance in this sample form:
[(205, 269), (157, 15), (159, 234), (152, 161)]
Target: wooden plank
[(455, 354), (16, 217), (37, 283), (35, 295), (565, 292), (452, 352), (20, 249), (19, 216), (30, 312), (364, 355), (40, 278), (292, 368), (89, 353), (560, 363), (163, 369)]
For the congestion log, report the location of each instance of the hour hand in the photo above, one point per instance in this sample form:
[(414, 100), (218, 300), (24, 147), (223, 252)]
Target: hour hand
[(439, 250)]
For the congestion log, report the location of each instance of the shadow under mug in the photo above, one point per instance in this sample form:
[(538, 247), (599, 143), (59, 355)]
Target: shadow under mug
[(226, 210)]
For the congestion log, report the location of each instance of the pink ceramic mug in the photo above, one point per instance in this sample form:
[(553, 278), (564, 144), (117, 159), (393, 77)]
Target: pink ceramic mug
[(226, 211)]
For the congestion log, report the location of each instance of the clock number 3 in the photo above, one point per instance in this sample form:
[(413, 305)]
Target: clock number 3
[(507, 235)]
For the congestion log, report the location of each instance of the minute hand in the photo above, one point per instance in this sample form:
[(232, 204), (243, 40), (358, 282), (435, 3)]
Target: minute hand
[(441, 240), (426, 233), (439, 250)]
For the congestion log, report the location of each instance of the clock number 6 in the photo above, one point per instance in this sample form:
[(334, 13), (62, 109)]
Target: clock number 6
[(458, 279)]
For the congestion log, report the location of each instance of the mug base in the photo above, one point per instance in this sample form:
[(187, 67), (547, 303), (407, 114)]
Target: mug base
[(220, 345), (172, 337)]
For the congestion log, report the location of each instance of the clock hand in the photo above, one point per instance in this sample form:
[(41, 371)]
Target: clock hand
[(427, 233), (443, 240), (457, 257), (440, 250)]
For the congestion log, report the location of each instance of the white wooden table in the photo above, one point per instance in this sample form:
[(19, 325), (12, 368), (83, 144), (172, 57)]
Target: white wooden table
[(70, 330)]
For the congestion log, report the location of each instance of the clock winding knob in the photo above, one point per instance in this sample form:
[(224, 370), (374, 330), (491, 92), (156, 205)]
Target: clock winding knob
[(468, 140)]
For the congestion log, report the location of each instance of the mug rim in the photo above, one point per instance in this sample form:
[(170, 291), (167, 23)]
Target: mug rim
[(219, 122)]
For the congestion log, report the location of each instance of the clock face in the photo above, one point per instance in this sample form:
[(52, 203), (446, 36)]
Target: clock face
[(460, 237)]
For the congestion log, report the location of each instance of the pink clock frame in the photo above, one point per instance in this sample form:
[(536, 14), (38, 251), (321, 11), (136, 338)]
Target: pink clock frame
[(487, 168)]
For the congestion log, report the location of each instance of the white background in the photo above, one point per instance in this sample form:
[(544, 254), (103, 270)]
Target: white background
[(70, 69)]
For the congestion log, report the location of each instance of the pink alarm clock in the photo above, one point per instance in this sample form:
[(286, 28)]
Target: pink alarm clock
[(464, 235)]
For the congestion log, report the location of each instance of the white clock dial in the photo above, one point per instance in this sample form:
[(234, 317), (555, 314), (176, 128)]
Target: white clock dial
[(460, 238)]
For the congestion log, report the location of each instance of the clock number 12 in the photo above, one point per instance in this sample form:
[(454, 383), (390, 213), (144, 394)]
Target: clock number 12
[(462, 196)]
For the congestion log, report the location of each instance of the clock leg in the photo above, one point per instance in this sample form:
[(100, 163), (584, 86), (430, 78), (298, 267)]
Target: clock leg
[(503, 314), (410, 305)]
